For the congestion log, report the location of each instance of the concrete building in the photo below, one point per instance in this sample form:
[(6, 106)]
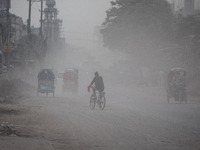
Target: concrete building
[(19, 29), (188, 7), (185, 7), (51, 24), (11, 30)]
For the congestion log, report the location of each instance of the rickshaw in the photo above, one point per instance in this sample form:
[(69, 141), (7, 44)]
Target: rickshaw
[(70, 81), (176, 86), (46, 82)]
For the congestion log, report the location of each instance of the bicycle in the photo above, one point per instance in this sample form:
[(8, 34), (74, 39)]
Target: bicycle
[(99, 98)]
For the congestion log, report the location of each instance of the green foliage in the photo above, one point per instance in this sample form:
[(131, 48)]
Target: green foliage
[(136, 23)]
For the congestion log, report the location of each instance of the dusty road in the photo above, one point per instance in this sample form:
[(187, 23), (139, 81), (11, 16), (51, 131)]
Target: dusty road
[(135, 119)]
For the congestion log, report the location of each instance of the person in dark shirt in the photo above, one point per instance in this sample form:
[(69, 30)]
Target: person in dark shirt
[(98, 81)]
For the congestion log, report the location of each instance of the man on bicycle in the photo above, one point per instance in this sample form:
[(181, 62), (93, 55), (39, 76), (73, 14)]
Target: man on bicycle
[(98, 81)]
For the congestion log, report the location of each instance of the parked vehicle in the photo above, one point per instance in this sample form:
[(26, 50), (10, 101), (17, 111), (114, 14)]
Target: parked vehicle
[(176, 85), (46, 79)]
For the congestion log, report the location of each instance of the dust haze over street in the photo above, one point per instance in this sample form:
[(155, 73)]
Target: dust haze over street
[(133, 45), (134, 118)]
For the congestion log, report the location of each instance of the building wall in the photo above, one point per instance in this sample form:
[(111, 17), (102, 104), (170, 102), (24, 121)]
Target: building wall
[(185, 7), (16, 31), (197, 4), (17, 24), (178, 4), (188, 7)]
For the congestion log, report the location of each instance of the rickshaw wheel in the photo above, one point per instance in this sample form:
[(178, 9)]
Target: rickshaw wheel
[(185, 98)]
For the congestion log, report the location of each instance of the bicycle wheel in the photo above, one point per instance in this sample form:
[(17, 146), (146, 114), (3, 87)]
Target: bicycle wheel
[(92, 101), (184, 96), (102, 102)]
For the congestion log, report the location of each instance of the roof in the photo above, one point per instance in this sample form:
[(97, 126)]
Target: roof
[(177, 69), (50, 74)]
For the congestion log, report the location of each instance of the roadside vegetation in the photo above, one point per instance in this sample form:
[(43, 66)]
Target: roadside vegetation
[(153, 36)]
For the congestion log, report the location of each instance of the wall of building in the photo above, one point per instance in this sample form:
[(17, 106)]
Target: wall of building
[(17, 24), (185, 7), (197, 4), (188, 7)]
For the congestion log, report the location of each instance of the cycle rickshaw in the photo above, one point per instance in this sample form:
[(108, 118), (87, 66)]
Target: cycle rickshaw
[(176, 85), (46, 79)]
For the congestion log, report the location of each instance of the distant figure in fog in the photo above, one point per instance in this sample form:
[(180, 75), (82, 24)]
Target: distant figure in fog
[(98, 81)]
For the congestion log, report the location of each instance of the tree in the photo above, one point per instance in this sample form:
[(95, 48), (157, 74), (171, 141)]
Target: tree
[(187, 31), (133, 25)]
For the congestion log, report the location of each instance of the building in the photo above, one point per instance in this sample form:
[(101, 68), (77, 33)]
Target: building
[(4, 4), (12, 30), (188, 7), (185, 7), (18, 28), (51, 24)]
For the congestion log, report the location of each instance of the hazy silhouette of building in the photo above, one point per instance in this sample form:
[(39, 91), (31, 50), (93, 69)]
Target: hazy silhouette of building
[(185, 7), (188, 7)]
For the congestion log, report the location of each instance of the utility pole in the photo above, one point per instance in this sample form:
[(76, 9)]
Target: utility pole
[(2, 31), (7, 43), (29, 19), (29, 29), (41, 20)]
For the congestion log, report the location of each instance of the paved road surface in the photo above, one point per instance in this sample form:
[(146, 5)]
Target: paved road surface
[(135, 119)]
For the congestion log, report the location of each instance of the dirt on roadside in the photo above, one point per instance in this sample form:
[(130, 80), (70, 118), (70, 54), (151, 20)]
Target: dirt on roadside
[(12, 90), (19, 124), (24, 123), (22, 127)]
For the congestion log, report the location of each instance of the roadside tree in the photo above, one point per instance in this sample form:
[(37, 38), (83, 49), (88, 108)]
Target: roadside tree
[(134, 25)]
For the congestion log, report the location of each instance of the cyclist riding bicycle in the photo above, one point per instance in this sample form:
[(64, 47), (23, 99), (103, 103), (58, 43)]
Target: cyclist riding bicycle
[(98, 81)]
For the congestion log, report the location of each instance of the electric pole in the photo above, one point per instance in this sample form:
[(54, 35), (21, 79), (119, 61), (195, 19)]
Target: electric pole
[(7, 42), (41, 20), (29, 30), (29, 19)]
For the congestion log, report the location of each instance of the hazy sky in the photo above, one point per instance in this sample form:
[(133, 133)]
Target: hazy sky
[(78, 16)]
